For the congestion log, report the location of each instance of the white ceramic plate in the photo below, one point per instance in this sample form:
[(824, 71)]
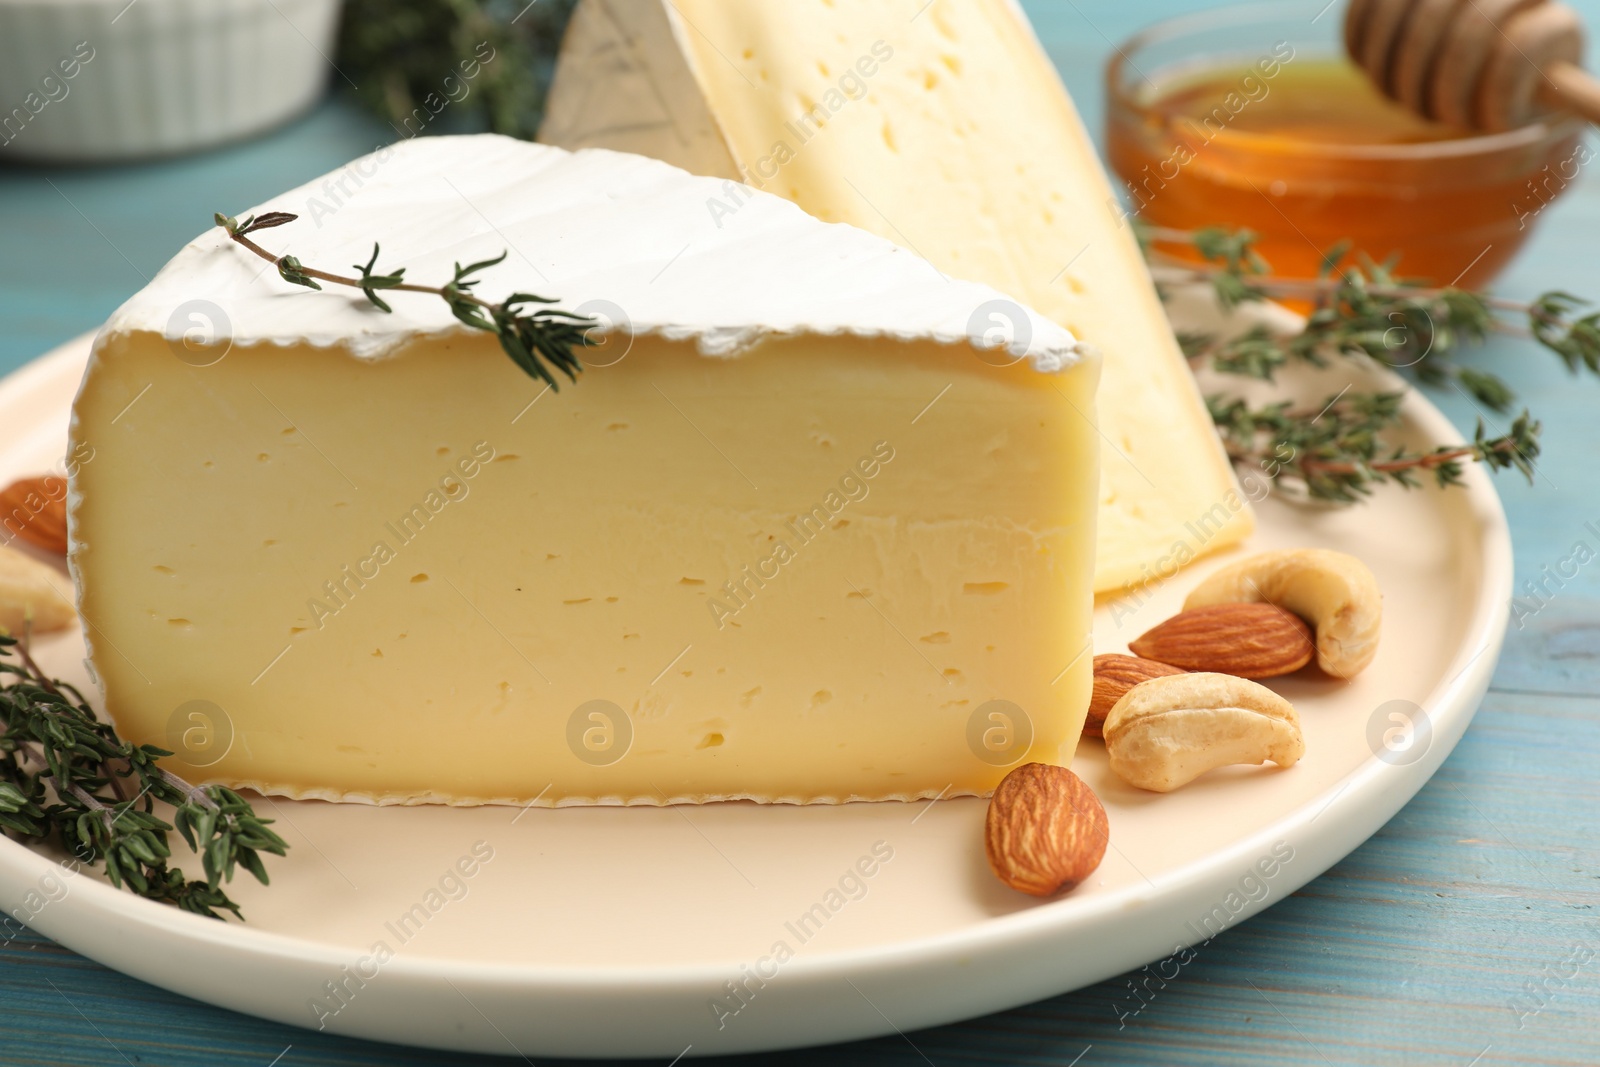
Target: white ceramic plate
[(614, 932)]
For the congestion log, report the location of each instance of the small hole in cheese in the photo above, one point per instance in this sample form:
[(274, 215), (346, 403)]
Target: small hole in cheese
[(418, 579), (710, 741), (984, 588)]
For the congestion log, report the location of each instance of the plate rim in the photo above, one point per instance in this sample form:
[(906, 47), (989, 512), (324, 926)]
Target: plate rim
[(1374, 786)]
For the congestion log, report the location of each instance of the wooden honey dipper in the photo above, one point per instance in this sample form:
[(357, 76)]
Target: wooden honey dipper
[(1479, 64)]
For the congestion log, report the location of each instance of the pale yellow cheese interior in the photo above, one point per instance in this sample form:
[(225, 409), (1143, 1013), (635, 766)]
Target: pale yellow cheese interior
[(396, 580), (943, 127)]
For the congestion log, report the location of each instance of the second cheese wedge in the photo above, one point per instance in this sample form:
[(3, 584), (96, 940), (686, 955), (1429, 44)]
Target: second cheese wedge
[(942, 127)]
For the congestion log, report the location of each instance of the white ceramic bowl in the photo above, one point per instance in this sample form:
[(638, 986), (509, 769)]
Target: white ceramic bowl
[(101, 80)]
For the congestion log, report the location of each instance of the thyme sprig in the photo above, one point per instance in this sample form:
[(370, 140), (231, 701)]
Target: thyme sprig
[(537, 337), (1364, 311), (66, 775), (1338, 452)]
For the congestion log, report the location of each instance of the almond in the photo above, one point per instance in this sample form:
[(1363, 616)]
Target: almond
[(1113, 676), (1046, 830), (1244, 640), (35, 509)]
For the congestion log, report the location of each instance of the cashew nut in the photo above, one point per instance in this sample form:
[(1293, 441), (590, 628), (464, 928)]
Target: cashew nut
[(1334, 592), (1168, 731), (28, 591)]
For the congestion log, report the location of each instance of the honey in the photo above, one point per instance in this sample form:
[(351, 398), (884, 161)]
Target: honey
[(1306, 152)]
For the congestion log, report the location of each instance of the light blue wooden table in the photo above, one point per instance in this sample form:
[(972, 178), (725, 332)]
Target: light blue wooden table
[(1418, 949)]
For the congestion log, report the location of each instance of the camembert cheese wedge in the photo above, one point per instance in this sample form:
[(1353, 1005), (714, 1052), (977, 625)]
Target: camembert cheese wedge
[(798, 533), (942, 127)]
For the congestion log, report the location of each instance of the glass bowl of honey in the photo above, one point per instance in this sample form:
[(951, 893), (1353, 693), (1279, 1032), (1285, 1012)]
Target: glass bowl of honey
[(1252, 117)]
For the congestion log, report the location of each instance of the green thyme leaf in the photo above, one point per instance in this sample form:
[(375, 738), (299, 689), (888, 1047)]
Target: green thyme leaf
[(66, 776), (1341, 450), (538, 337)]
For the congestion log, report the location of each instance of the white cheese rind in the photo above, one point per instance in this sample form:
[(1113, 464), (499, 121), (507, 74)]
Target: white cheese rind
[(595, 228)]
